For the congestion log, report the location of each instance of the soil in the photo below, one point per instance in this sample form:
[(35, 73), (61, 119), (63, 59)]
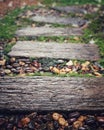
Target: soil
[(6, 5)]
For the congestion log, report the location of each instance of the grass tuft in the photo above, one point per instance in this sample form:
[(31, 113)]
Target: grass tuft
[(8, 24)]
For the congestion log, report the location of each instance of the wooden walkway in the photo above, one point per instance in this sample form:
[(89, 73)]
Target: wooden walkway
[(49, 31), (55, 50), (71, 9), (51, 93), (58, 20)]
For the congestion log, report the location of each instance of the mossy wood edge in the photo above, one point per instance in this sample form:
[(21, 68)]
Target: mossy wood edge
[(51, 93)]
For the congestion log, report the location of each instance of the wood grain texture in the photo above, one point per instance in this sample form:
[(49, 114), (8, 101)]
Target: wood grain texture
[(48, 31), (51, 93), (58, 19), (70, 9), (55, 50)]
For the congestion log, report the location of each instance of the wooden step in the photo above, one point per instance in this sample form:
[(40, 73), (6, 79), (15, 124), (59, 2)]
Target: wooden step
[(48, 31), (77, 9), (55, 50), (51, 93), (59, 20), (71, 9)]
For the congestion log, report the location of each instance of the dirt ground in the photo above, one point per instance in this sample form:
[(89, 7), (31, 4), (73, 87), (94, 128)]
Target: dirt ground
[(6, 5)]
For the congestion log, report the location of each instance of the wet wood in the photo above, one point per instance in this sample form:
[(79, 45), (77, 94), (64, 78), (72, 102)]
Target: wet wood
[(51, 93), (55, 50)]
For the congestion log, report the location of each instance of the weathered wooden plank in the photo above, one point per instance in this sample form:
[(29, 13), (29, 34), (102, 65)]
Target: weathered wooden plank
[(48, 31), (51, 93), (55, 50), (75, 9), (70, 9), (58, 19)]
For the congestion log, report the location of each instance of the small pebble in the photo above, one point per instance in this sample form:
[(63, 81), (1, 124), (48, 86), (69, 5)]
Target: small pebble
[(12, 60), (56, 124), (62, 121), (74, 115), (25, 121), (7, 71), (100, 119), (77, 124), (56, 116), (2, 121), (82, 118), (2, 62), (15, 65), (71, 120), (69, 63), (82, 128)]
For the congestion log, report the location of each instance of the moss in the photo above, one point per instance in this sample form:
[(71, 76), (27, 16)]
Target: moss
[(59, 75), (8, 47), (95, 31), (8, 24), (101, 62), (100, 43)]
